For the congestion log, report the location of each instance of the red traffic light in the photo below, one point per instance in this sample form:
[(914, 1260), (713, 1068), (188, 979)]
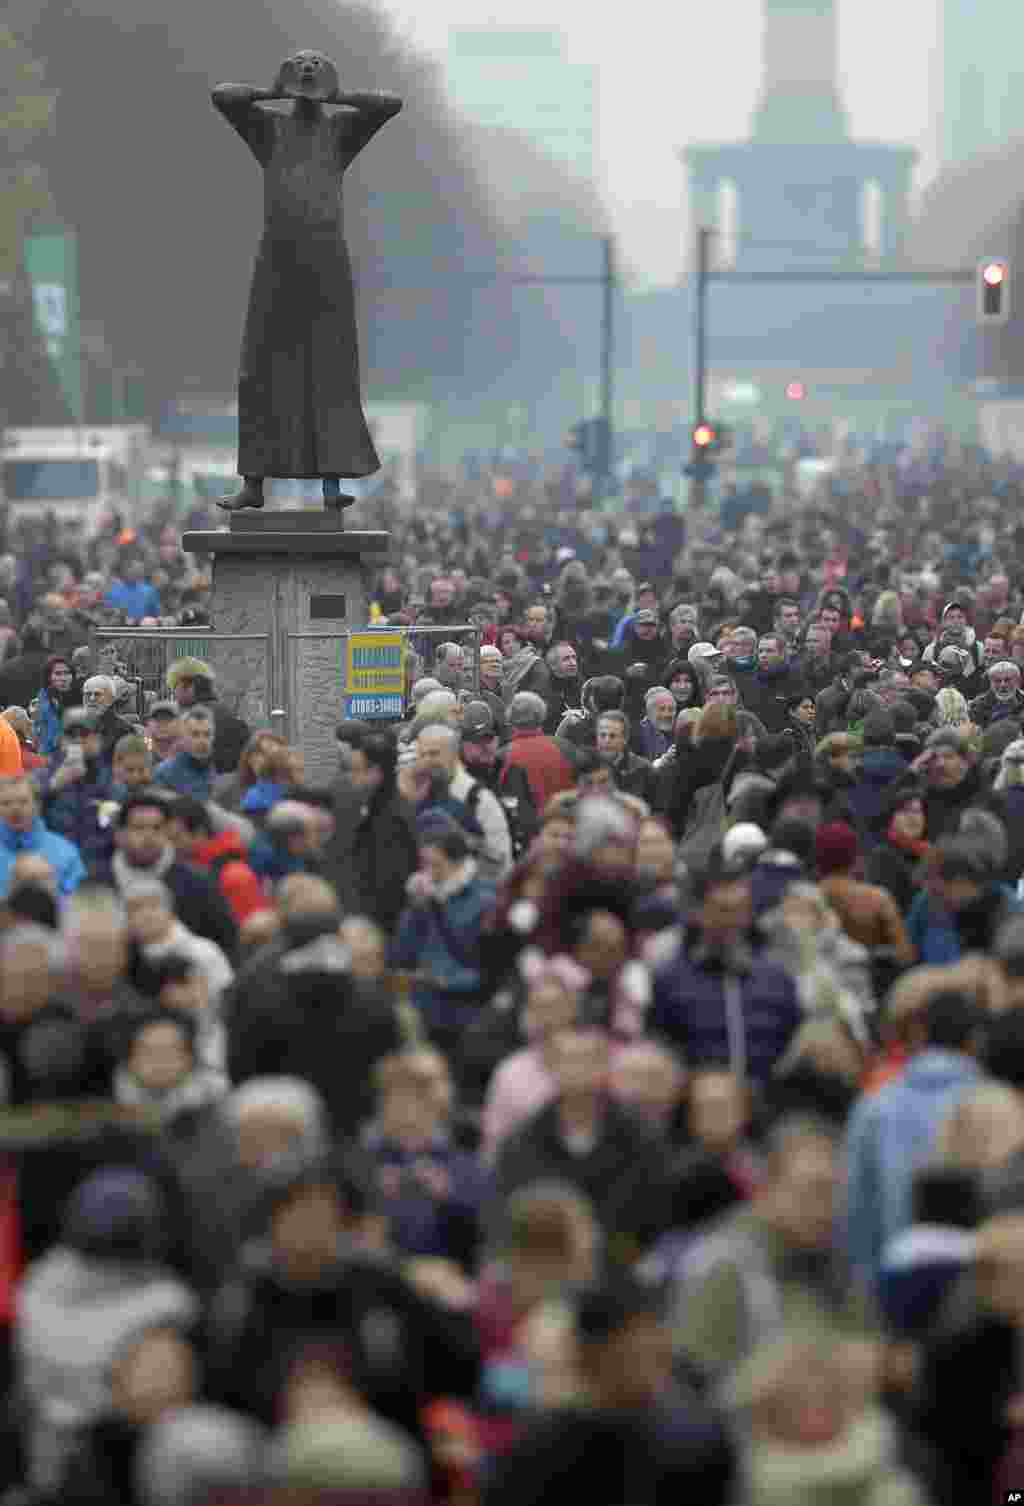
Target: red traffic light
[(703, 436), (796, 392), (994, 274)]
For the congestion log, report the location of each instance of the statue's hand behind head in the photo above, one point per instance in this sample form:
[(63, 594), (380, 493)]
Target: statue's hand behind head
[(307, 75)]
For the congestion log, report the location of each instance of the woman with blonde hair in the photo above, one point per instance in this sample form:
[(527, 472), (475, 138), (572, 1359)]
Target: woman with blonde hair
[(951, 709), (887, 615)]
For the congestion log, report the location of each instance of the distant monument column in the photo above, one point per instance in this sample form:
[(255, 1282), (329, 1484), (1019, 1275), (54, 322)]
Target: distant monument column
[(800, 179)]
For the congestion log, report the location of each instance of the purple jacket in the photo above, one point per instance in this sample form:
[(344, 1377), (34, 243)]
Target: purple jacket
[(745, 1017)]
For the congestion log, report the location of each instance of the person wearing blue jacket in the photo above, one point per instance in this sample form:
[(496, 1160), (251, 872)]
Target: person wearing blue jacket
[(132, 594), (439, 932), (191, 771), (58, 693), (717, 1001), (962, 907), (891, 1134), (22, 831), (75, 787), (432, 1192)]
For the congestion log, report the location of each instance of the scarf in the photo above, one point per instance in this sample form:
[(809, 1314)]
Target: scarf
[(915, 847), (125, 874)]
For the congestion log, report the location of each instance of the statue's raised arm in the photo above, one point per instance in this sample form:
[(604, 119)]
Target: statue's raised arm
[(362, 118)]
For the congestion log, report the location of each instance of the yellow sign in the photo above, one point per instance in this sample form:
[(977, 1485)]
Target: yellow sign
[(374, 672)]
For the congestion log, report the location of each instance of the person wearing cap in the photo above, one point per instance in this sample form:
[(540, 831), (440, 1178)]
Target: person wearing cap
[(190, 771), (1004, 699), (192, 682), (706, 659), (485, 761), (163, 728), (75, 786), (644, 600), (642, 651), (955, 629)]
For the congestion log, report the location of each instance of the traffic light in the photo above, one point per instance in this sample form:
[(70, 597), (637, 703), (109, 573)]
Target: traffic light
[(796, 392), (706, 441), (993, 291)]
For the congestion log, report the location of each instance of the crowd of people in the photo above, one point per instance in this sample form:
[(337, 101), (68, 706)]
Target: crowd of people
[(612, 1083)]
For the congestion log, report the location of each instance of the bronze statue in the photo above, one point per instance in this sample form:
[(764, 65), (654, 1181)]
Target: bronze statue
[(299, 408)]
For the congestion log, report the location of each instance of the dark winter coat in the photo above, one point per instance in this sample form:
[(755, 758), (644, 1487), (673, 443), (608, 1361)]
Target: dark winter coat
[(403, 1349), (74, 812), (943, 808), (880, 769), (198, 903), (320, 1029), (712, 1017), (628, 1175), (384, 854)]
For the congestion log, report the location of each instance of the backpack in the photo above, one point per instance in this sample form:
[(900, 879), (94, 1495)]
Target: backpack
[(705, 824)]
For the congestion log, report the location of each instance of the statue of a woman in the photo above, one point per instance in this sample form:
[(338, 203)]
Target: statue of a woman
[(299, 407)]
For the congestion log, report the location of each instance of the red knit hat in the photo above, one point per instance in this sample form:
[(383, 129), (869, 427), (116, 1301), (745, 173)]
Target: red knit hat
[(836, 848)]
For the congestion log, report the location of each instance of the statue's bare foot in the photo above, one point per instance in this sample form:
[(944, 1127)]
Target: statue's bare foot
[(251, 495)]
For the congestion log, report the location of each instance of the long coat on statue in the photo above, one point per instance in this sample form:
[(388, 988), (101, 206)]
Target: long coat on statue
[(299, 408)]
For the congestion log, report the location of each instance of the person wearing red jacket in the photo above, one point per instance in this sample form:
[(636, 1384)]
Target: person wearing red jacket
[(548, 771), (221, 854)]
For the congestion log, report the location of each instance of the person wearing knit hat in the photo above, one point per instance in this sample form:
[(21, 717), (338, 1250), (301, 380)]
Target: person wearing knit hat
[(193, 682), (82, 1303), (836, 849), (866, 913)]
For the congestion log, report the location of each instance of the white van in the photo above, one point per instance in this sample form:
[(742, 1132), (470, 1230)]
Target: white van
[(79, 474)]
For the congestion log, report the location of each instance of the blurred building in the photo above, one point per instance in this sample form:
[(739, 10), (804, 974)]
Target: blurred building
[(800, 191), (521, 79), (978, 103)]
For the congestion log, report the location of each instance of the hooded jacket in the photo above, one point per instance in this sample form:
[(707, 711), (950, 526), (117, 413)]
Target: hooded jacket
[(75, 1315), (891, 1135)]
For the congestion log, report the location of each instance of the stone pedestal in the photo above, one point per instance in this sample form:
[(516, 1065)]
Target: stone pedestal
[(301, 582)]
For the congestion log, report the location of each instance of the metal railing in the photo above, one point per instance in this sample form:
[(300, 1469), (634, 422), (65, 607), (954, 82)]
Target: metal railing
[(142, 656)]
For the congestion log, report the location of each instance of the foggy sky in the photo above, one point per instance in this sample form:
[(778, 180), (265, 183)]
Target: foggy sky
[(675, 74)]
